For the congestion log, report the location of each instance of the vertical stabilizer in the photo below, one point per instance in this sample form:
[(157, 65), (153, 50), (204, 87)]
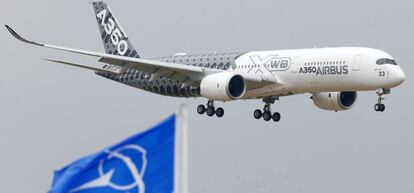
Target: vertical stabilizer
[(114, 38)]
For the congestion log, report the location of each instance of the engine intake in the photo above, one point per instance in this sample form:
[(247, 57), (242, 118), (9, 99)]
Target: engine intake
[(335, 101), (223, 86)]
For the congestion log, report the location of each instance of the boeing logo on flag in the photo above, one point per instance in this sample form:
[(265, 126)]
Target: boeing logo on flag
[(149, 162)]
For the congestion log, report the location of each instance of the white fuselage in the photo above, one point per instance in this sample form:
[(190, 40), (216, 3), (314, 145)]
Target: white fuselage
[(320, 70)]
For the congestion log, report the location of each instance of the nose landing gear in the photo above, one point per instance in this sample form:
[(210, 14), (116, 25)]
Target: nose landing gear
[(380, 107), (210, 110), (266, 114)]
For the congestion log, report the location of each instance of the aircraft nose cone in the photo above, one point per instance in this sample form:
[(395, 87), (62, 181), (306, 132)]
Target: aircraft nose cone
[(399, 76)]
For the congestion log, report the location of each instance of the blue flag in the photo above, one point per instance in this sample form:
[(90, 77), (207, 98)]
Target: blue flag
[(141, 163)]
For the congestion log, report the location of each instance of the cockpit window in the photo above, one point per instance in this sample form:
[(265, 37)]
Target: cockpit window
[(383, 61)]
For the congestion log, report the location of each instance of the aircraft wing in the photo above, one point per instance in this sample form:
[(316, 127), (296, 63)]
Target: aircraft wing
[(181, 72)]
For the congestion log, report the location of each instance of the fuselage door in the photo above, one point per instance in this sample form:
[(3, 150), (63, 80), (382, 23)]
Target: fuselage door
[(356, 63), (295, 64)]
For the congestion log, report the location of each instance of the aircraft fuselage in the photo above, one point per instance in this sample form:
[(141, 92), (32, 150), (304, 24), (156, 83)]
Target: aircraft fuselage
[(296, 71)]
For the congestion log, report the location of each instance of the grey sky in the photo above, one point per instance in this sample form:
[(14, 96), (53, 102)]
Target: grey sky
[(51, 114)]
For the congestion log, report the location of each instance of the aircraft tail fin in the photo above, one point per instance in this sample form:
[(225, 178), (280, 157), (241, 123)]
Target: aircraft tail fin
[(114, 38)]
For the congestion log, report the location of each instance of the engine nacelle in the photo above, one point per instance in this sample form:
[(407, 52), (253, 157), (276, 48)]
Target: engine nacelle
[(334, 101), (223, 86)]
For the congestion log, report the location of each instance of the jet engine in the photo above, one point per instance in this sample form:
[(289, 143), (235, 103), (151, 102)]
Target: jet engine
[(223, 86), (334, 101)]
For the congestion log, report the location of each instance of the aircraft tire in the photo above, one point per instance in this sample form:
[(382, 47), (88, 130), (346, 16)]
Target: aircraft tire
[(210, 111), (257, 114), (382, 108), (219, 112), (201, 109), (267, 116), (276, 117), (377, 107)]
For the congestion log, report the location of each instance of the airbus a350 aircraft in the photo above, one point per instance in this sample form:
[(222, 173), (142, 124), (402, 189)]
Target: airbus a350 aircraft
[(332, 75)]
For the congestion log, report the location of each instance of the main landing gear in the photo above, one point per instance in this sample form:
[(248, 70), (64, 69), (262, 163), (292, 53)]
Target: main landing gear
[(379, 107), (210, 110), (267, 112)]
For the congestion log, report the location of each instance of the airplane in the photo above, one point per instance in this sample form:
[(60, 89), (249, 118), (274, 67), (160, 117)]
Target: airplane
[(333, 76)]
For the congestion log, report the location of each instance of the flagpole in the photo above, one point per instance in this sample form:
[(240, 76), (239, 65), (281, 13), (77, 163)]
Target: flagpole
[(181, 162)]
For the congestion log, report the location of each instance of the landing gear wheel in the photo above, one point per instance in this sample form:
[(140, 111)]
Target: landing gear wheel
[(276, 117), (201, 109), (267, 116), (267, 110), (382, 108), (210, 111), (257, 114), (219, 112), (379, 107)]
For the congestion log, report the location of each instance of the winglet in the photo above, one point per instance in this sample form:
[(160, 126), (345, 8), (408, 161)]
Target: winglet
[(17, 36)]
